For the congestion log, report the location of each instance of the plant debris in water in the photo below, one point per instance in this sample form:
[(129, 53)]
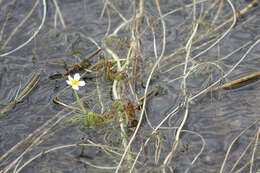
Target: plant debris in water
[(129, 55)]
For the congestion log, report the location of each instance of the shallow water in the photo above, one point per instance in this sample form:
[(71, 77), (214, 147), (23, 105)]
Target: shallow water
[(219, 116)]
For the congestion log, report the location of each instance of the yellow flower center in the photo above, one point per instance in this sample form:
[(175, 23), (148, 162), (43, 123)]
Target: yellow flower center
[(74, 82)]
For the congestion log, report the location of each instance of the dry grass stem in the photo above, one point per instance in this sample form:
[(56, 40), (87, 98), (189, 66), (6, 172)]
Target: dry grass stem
[(35, 33), (138, 64), (60, 14)]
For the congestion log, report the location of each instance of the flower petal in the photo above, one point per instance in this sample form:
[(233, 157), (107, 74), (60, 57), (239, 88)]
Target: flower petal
[(82, 83), (70, 78), (75, 87), (76, 76), (68, 82)]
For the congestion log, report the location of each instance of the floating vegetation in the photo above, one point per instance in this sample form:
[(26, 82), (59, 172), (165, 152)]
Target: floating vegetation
[(128, 81)]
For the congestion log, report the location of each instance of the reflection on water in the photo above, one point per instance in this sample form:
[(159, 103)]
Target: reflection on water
[(215, 118)]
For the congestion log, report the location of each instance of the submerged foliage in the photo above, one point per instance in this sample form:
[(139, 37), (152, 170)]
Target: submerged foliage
[(150, 70)]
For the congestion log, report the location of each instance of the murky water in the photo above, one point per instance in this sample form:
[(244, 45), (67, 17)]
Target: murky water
[(216, 118)]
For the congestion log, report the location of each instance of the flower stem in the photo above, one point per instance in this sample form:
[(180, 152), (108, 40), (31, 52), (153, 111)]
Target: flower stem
[(81, 105)]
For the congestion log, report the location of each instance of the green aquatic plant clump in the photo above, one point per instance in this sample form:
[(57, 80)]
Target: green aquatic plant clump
[(91, 118)]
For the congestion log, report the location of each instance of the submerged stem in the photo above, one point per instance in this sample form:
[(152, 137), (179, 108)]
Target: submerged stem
[(81, 105)]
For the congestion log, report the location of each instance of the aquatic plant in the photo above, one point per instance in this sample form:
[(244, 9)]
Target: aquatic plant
[(139, 59), (75, 83)]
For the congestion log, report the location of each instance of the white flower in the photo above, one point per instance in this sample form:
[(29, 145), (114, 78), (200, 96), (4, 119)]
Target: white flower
[(75, 82)]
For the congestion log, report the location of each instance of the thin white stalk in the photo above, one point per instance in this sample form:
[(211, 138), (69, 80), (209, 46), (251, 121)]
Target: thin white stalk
[(33, 36), (146, 89)]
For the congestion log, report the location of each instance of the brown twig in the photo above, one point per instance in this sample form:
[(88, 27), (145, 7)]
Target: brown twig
[(20, 24), (28, 88), (252, 77), (81, 64), (248, 7)]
